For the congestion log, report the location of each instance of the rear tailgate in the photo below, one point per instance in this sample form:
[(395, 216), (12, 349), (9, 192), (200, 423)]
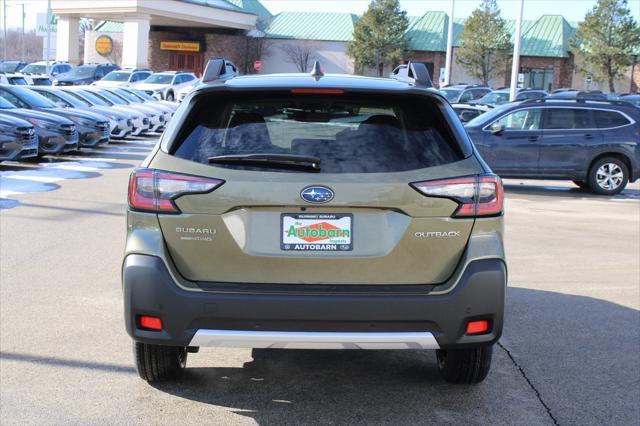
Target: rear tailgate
[(235, 233)]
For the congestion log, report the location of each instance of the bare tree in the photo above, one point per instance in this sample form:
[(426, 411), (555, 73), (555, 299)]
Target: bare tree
[(257, 49), (32, 45), (116, 53), (298, 54), (85, 25)]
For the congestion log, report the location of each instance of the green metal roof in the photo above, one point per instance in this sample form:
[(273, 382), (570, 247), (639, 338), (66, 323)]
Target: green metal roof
[(218, 4), (429, 32), (549, 37), (109, 27), (546, 37), (312, 26), (251, 6)]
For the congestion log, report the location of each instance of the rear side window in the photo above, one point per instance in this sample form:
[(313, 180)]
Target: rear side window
[(524, 119), (568, 118), (608, 119), (348, 134)]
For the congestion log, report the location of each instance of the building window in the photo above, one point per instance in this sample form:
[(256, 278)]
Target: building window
[(538, 78)]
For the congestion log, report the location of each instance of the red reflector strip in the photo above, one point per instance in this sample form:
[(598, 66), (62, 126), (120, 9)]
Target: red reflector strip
[(477, 327), (150, 323), (309, 91)]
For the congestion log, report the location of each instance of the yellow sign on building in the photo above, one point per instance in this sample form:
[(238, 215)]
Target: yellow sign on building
[(180, 46), (104, 45)]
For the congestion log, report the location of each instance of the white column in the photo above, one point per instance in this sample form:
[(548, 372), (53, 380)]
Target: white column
[(67, 39), (135, 42), (515, 65)]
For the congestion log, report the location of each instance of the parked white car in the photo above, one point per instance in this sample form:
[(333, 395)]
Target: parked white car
[(182, 93), (14, 79), (39, 69), (165, 85), (124, 78)]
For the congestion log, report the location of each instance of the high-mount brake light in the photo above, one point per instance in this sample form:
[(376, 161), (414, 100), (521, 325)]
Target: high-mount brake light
[(155, 191), (312, 91), (476, 195)]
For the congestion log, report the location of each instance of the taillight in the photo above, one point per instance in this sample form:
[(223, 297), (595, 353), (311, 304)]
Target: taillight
[(155, 191), (476, 195)]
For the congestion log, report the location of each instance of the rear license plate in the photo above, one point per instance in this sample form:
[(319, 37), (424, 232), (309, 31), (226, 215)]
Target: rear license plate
[(316, 232)]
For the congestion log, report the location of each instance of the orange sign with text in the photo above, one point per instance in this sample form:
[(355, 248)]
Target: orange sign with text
[(180, 46)]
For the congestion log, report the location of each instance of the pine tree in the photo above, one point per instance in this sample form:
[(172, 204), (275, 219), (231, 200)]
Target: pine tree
[(378, 37), (606, 39), (485, 43)]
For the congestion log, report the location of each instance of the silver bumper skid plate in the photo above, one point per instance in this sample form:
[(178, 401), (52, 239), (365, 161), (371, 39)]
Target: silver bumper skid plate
[(313, 340)]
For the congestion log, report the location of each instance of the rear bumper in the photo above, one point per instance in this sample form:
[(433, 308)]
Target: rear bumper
[(297, 320)]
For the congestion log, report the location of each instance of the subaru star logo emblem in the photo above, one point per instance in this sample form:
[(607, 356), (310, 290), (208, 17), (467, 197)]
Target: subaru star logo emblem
[(316, 194)]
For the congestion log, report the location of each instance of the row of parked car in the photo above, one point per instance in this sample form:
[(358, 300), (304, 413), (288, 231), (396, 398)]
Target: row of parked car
[(39, 120), (469, 101), (166, 85)]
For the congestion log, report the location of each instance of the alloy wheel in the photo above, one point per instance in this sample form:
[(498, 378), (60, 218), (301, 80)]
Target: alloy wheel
[(609, 176)]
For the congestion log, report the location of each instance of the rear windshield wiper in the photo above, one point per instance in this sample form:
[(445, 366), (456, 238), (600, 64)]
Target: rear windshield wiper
[(276, 161)]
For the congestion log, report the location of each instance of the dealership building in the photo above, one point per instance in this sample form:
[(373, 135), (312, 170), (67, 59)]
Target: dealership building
[(183, 34)]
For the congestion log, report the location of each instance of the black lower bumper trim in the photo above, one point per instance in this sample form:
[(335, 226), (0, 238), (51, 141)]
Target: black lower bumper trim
[(149, 289)]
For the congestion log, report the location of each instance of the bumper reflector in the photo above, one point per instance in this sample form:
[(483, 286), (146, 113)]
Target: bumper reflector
[(477, 327), (150, 323)]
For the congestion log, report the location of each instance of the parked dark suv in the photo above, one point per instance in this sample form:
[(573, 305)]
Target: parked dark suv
[(84, 74), (596, 144), (318, 212)]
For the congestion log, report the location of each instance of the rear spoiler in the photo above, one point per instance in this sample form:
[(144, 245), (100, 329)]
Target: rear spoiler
[(414, 73)]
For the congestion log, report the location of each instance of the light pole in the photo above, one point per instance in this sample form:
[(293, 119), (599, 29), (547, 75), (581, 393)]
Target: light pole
[(515, 65), (23, 55), (48, 33), (634, 59), (449, 57), (4, 28)]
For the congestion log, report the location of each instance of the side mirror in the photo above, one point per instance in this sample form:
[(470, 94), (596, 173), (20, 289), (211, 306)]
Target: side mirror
[(467, 116), (497, 128)]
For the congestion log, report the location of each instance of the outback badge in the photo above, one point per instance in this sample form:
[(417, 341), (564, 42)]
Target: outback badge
[(316, 194)]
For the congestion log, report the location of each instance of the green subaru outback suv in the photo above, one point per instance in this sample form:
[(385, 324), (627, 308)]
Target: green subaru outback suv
[(318, 212)]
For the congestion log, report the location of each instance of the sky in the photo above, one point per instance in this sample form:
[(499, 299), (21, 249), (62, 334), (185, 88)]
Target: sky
[(572, 10)]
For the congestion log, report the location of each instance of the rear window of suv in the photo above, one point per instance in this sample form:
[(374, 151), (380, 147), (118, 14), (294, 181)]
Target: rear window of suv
[(364, 134)]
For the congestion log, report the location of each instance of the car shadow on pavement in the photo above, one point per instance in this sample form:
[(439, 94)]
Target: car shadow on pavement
[(567, 191), (575, 355)]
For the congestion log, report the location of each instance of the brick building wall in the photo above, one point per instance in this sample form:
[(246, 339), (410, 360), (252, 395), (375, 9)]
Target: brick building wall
[(562, 69), (231, 46)]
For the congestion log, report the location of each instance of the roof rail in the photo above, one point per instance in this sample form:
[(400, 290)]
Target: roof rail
[(577, 100), (218, 69), (415, 73)]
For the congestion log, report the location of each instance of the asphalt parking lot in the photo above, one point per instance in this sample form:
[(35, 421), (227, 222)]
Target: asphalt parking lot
[(569, 354)]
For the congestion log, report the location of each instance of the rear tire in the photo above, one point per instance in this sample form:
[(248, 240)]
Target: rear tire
[(608, 176), (170, 97), (157, 363), (464, 366)]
